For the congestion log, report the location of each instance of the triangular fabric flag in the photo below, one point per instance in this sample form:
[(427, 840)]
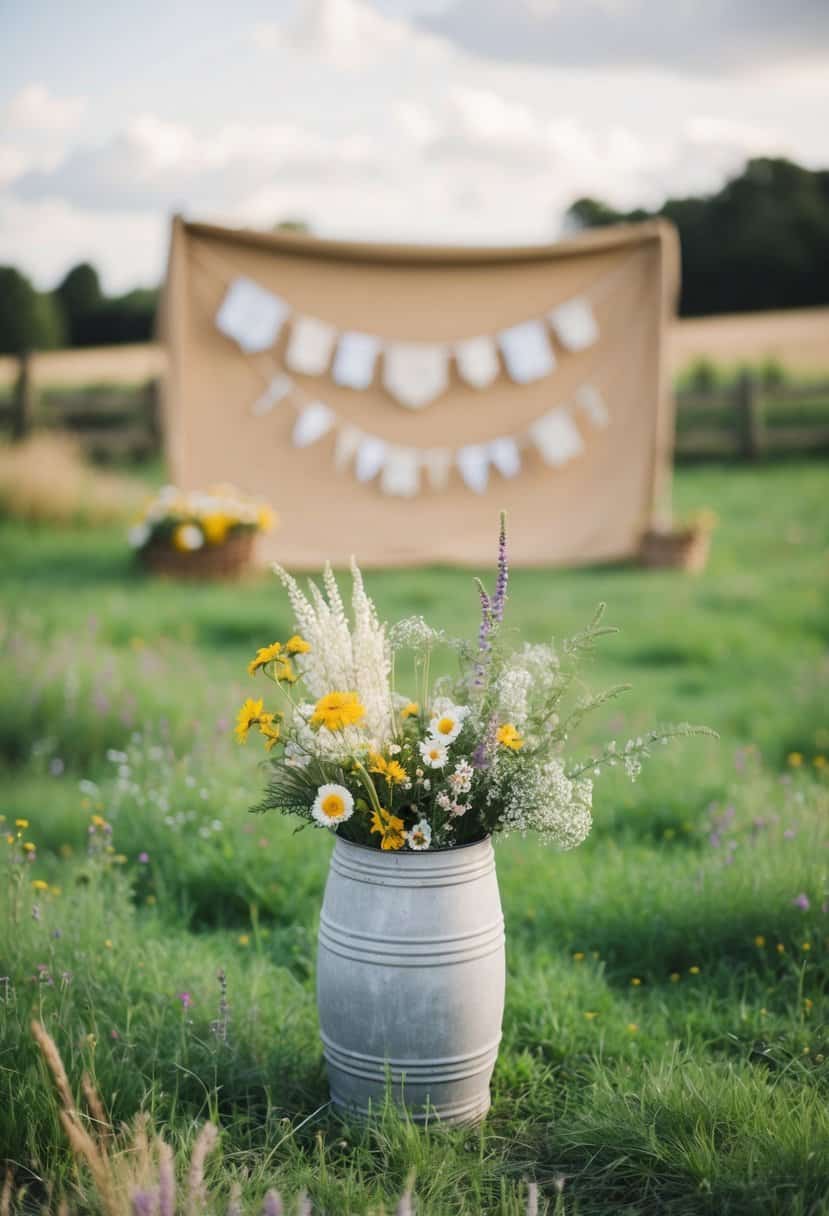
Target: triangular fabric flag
[(438, 465), (310, 346), (415, 372), (371, 456), (556, 437), (354, 360), (251, 315), (477, 360), (589, 399), (346, 444), (401, 473), (314, 421), (473, 463), (503, 454), (527, 351), (574, 324), (278, 389)]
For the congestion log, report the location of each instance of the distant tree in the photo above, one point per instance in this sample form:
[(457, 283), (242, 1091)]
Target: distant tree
[(760, 242), (292, 225), (28, 320), (79, 295)]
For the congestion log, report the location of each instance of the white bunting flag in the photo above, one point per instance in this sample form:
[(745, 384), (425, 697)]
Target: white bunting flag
[(371, 456), (503, 454), (310, 346), (527, 351), (438, 465), (278, 389), (589, 399), (354, 360), (574, 324), (477, 360), (401, 473), (345, 446), (314, 421), (556, 437), (415, 372), (251, 315), (473, 463)]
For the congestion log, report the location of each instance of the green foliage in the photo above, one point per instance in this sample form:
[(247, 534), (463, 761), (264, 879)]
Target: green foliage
[(762, 241), (701, 1089), (28, 320)]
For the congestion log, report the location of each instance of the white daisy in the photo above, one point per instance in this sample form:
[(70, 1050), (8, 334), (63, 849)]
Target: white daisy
[(447, 720), (138, 535), (434, 753), (420, 837), (190, 537), (332, 806)]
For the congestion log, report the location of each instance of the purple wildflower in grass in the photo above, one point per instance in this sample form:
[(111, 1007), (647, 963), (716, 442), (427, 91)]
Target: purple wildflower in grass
[(185, 998), (802, 901), (143, 858), (272, 1205), (56, 766), (789, 834), (500, 599), (484, 644), (144, 1203)]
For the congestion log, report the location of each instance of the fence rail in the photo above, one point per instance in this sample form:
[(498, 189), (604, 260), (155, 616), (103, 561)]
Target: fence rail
[(745, 420)]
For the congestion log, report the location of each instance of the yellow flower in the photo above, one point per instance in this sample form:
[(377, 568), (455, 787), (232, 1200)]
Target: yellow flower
[(297, 645), (806, 946), (108, 943), (265, 655), (244, 939), (410, 711), (759, 940), (394, 772), (270, 729), (215, 527), (807, 1004), (795, 759), (336, 710), (693, 970), (819, 762), (635, 982), (633, 1027), (390, 829), (509, 737), (284, 671), (590, 1014), (21, 823), (55, 890), (265, 518), (249, 715), (674, 977), (10, 839), (187, 537), (97, 821), (40, 885), (578, 957), (28, 847), (780, 948)]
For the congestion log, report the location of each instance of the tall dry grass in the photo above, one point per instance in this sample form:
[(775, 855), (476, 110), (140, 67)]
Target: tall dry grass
[(46, 479)]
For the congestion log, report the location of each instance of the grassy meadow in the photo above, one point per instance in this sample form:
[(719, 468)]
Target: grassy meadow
[(666, 1046)]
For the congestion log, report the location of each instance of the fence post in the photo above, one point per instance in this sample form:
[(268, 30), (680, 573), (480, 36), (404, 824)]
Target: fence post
[(23, 399), (750, 422)]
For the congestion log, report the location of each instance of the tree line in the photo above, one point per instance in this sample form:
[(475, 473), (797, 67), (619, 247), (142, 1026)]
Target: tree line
[(760, 242)]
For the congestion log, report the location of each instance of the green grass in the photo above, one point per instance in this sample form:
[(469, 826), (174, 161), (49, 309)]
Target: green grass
[(693, 1091)]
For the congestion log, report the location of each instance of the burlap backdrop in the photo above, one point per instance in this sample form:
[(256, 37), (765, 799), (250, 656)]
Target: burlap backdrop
[(594, 508)]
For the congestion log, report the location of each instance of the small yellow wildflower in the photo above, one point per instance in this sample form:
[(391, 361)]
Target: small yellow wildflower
[(410, 711), (98, 821), (795, 759), (244, 939), (808, 1004), (249, 715), (509, 737), (633, 1027), (674, 977), (263, 656), (635, 982), (108, 943), (763, 1012), (590, 1014), (297, 645), (55, 890), (394, 772), (120, 859), (336, 710), (578, 957), (265, 518), (40, 885), (270, 729), (215, 527), (151, 899), (819, 762), (693, 970), (759, 940), (806, 1051), (28, 847), (390, 829), (806, 946), (780, 948), (21, 823), (9, 839)]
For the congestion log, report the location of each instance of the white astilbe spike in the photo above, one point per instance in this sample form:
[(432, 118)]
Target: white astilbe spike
[(314, 667), (372, 660), (333, 627), (333, 591)]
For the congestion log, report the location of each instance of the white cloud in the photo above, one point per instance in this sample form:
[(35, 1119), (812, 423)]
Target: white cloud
[(346, 34), (35, 108)]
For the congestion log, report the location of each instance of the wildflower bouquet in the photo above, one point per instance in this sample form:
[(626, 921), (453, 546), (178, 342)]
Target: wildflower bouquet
[(188, 522), (449, 761)]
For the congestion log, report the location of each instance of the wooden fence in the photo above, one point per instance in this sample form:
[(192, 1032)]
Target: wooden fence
[(745, 420)]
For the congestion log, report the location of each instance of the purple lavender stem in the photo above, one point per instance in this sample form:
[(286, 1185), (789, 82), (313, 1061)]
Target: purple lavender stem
[(503, 574)]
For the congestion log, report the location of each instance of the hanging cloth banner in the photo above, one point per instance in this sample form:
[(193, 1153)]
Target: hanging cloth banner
[(504, 455), (473, 464), (438, 465), (371, 456), (251, 315), (401, 473), (278, 389), (527, 351), (415, 372), (355, 359), (574, 324), (477, 360), (347, 442), (556, 437), (589, 399), (314, 421), (310, 346)]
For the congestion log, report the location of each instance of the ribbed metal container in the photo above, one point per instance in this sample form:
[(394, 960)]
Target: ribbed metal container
[(410, 979)]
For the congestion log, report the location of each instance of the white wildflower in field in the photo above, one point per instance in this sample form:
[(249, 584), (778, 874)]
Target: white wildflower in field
[(514, 693)]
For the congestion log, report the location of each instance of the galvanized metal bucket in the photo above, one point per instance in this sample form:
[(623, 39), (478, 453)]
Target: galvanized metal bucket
[(410, 979)]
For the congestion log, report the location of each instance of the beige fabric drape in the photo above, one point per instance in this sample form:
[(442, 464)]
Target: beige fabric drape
[(593, 507)]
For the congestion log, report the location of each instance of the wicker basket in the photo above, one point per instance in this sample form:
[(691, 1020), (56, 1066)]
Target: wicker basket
[(228, 560), (686, 549)]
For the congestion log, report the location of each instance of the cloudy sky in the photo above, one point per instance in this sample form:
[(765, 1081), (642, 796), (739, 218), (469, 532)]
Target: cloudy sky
[(442, 120)]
